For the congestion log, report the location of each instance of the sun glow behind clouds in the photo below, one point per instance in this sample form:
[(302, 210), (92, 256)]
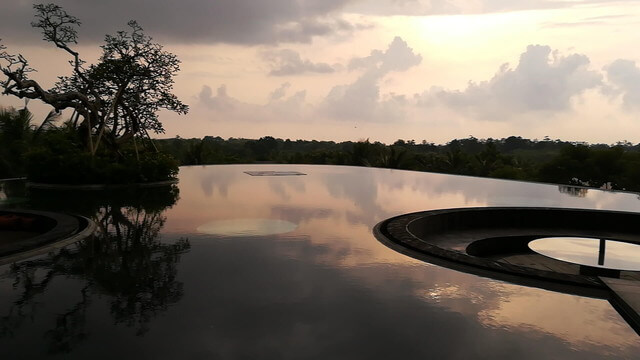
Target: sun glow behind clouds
[(455, 50), (458, 28)]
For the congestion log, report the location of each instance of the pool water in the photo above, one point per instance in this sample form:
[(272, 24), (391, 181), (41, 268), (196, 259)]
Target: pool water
[(598, 253), (229, 265)]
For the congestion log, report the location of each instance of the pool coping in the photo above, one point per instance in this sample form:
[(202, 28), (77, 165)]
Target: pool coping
[(67, 230), (624, 295), (48, 186)]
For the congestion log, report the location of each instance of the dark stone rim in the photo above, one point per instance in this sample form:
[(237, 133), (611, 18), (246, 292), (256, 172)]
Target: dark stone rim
[(59, 228), (45, 186), (403, 234), (396, 234)]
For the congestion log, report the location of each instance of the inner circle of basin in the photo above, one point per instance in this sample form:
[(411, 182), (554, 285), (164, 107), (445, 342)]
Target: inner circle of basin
[(246, 227), (594, 252)]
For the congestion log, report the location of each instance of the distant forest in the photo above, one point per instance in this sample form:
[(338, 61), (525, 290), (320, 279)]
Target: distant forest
[(594, 165)]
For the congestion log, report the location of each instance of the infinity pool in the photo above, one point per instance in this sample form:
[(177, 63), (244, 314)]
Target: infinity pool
[(234, 266)]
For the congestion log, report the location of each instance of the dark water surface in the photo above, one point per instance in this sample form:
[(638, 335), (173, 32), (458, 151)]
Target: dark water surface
[(235, 266)]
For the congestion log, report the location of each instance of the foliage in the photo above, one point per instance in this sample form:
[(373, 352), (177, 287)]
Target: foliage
[(547, 160), (16, 132), (68, 166), (53, 154), (613, 167)]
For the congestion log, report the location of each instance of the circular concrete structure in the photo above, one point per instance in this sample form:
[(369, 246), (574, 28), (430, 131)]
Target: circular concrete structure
[(88, 187), (25, 233), (494, 242)]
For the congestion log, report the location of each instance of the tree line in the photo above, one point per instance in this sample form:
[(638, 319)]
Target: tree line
[(51, 153), (572, 163)]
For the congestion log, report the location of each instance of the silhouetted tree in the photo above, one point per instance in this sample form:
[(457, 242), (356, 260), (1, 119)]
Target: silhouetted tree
[(117, 98), (16, 130)]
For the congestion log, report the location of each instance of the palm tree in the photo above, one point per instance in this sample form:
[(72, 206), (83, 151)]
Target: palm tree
[(16, 132)]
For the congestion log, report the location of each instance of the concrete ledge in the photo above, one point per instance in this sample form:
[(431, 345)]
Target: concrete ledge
[(475, 241), (522, 221), (446, 246), (13, 179), (49, 229), (626, 299), (99, 186)]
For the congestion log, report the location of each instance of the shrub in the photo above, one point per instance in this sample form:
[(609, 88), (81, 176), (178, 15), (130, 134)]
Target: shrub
[(44, 165)]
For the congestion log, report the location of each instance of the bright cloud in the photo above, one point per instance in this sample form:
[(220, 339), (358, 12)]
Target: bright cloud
[(361, 100), (223, 107), (624, 77), (287, 62), (456, 7), (542, 81)]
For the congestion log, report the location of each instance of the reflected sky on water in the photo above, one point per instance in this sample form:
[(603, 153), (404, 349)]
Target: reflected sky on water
[(315, 283), (600, 253)]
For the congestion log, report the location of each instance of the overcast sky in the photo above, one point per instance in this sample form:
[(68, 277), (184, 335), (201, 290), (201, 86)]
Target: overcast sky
[(379, 69)]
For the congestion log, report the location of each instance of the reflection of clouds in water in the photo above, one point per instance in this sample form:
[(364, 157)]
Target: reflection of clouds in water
[(369, 190), (247, 227), (213, 180), (278, 188), (496, 192), (588, 323), (285, 186), (297, 183), (361, 188), (299, 214), (564, 316), (303, 303), (338, 264), (601, 199), (358, 186), (584, 251), (496, 305)]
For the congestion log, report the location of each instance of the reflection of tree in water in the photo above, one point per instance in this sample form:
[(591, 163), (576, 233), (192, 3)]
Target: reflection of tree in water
[(125, 261), (11, 192), (573, 190)]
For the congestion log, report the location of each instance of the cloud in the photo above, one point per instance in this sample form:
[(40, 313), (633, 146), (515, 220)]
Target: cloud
[(398, 57), (246, 22), (292, 108), (542, 81), (588, 21), (288, 62), (543, 87), (221, 101), (192, 21), (279, 107), (405, 7), (280, 92), (455, 7), (361, 99), (624, 79)]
